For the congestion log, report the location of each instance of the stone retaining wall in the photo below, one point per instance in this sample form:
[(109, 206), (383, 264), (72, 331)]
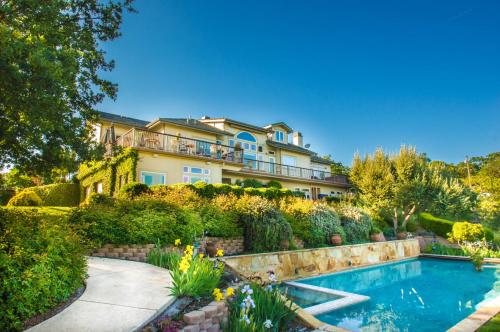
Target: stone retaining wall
[(209, 318), (307, 262), (139, 252)]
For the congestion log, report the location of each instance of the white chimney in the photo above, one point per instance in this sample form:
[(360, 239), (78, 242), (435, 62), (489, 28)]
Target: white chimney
[(297, 138)]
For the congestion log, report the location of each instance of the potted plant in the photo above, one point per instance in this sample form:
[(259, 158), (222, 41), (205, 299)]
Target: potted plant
[(401, 233), (376, 235), (336, 239), (476, 252)]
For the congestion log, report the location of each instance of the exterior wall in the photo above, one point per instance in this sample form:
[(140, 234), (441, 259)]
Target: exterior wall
[(172, 166), (120, 129), (308, 262), (167, 128), (303, 160)]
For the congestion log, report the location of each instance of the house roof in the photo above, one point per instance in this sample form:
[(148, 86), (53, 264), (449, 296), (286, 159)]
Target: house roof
[(319, 160), (191, 123), (238, 124), (115, 118), (280, 124), (290, 147)]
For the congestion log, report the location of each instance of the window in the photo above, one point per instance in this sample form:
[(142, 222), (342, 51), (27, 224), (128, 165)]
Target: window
[(279, 136), (195, 174), (99, 188), (231, 142), (246, 136), (151, 178)]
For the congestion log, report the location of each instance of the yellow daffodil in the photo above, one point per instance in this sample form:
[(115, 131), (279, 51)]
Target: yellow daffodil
[(184, 265), (189, 250), (218, 296), (177, 242), (201, 256), (229, 291), (219, 253)]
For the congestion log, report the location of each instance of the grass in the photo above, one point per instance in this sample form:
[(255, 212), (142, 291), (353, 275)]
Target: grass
[(493, 325)]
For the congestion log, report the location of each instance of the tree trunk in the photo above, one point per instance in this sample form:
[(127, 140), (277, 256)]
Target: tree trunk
[(395, 220), (407, 216)]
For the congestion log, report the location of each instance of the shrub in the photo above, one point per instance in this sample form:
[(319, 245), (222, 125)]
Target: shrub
[(265, 228), (133, 189), (58, 194), (195, 276), (204, 189), (325, 222), (274, 184), (143, 220), (466, 232), (437, 225), (42, 264), (356, 222), (220, 223), (270, 307), (179, 194), (163, 259), (5, 195), (25, 198), (251, 183)]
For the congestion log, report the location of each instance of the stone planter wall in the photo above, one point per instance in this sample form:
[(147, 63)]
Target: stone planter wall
[(308, 262), (209, 318), (139, 252)]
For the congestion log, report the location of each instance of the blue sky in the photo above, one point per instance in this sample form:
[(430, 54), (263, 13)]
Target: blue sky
[(350, 75)]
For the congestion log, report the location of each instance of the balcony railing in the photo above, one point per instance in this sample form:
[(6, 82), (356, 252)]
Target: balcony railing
[(138, 138), (293, 171)]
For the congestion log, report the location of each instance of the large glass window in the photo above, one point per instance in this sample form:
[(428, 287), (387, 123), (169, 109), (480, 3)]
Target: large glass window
[(152, 178), (246, 136), (195, 174), (288, 160)]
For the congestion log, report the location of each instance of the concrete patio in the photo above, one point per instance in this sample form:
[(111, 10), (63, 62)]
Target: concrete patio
[(120, 296)]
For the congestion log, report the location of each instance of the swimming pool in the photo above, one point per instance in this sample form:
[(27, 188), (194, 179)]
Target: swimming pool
[(413, 295)]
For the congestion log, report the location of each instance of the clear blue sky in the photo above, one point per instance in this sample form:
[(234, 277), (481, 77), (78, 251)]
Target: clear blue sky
[(351, 75)]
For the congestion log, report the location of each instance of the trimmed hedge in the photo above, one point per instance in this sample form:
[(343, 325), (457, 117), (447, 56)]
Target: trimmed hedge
[(434, 224), (25, 198), (42, 264), (58, 194)]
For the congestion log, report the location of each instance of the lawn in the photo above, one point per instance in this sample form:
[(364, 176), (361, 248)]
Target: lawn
[(493, 325)]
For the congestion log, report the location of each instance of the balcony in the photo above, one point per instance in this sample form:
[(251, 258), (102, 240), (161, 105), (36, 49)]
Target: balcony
[(159, 142), (293, 171)]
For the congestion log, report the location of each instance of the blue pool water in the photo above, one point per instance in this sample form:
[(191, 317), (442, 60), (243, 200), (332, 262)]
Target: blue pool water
[(414, 295)]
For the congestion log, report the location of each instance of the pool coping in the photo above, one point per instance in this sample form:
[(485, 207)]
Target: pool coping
[(346, 298)]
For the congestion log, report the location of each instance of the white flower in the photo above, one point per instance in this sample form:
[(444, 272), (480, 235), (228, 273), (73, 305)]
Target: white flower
[(249, 302), (247, 289), (268, 324), (246, 319)]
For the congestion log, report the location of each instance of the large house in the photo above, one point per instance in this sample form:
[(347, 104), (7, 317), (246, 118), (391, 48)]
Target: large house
[(221, 150)]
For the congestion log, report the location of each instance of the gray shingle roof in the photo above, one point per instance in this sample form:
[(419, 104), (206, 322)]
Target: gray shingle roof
[(193, 123), (290, 147), (115, 118)]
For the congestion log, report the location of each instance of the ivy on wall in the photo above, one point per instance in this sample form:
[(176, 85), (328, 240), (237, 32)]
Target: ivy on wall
[(111, 173)]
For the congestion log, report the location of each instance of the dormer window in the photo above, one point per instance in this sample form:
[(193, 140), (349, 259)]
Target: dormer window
[(279, 136)]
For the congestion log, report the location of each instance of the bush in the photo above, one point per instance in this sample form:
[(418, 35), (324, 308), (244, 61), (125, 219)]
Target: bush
[(467, 232), (179, 194), (133, 189), (437, 225), (5, 195), (356, 223), (42, 264), (220, 223), (58, 194), (274, 184), (204, 189), (251, 183), (140, 221), (25, 198)]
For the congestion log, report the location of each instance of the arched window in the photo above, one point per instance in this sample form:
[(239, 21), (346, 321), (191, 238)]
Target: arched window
[(246, 136)]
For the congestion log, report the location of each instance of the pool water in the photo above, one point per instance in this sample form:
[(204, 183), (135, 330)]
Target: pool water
[(413, 295), (307, 298)]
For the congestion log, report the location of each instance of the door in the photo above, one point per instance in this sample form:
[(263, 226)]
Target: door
[(315, 192)]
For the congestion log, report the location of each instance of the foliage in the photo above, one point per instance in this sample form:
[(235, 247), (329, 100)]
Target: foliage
[(112, 173), (50, 66), (17, 180), (265, 228), (159, 257), (251, 183), (437, 225), (138, 221), (42, 264), (274, 184), (132, 190), (356, 222), (476, 252), (260, 309), (25, 198), (440, 249), (220, 223), (58, 194), (195, 276), (183, 195), (467, 232), (493, 325)]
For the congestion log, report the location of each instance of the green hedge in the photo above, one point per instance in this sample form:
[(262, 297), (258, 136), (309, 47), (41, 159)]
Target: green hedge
[(434, 224), (25, 198), (58, 194), (42, 264)]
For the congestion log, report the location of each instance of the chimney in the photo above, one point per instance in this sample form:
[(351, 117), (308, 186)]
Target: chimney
[(297, 138)]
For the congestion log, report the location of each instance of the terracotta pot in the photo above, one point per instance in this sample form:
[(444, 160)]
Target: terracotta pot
[(336, 240), (377, 237), (401, 235), (211, 249)]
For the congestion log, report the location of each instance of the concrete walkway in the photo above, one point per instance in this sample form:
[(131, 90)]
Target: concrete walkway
[(120, 296)]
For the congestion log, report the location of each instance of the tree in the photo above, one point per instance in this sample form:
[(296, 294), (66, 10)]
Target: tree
[(50, 64), (336, 167)]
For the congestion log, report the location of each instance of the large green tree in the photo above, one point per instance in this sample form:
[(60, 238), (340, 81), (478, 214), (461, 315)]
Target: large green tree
[(50, 65)]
